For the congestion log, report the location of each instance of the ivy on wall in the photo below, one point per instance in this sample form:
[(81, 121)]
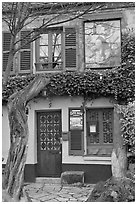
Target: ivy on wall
[(127, 113), (118, 83)]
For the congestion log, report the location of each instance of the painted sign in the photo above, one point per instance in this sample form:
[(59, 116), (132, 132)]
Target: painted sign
[(76, 119)]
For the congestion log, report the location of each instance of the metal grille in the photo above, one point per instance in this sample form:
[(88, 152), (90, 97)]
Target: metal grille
[(107, 127), (50, 131)]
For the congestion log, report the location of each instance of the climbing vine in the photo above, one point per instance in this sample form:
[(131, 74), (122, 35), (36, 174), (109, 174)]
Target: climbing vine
[(118, 83), (127, 115)]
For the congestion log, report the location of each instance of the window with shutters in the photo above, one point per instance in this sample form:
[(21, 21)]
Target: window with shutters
[(102, 44), (76, 124), (49, 50), (6, 47), (99, 131)]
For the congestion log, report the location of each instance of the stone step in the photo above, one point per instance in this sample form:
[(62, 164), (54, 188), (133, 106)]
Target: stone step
[(71, 177), (48, 180)]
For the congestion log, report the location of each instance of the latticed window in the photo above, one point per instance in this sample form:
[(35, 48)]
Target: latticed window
[(102, 44), (99, 131)]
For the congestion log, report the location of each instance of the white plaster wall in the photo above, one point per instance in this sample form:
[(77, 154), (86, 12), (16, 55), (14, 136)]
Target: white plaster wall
[(5, 134)]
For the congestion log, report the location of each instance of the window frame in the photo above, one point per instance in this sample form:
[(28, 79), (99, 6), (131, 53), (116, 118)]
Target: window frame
[(100, 144), (38, 64), (118, 15)]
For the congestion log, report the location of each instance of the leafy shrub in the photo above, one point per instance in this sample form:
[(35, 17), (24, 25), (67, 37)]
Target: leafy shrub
[(127, 113), (122, 190)]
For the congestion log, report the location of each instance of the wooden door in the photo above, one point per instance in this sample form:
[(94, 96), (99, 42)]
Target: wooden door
[(49, 147)]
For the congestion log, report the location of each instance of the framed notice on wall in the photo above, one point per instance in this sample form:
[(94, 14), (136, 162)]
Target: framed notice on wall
[(76, 119)]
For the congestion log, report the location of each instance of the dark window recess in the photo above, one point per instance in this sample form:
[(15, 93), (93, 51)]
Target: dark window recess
[(25, 57), (76, 143)]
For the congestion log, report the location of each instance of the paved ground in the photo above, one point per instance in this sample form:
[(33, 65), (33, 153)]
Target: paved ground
[(39, 192)]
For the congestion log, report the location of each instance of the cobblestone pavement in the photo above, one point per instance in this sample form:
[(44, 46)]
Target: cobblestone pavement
[(39, 192)]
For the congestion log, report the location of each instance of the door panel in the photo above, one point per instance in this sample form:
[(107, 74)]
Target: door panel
[(48, 145)]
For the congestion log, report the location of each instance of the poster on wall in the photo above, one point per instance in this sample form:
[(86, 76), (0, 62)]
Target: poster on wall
[(76, 119)]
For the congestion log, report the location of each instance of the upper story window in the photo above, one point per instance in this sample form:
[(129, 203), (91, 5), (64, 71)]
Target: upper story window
[(49, 50), (102, 44)]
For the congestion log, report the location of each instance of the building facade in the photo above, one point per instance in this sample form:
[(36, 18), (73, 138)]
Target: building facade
[(64, 135)]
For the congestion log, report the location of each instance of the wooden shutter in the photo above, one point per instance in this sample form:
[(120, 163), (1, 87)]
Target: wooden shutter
[(70, 48), (6, 41), (76, 131), (76, 142), (6, 47), (25, 52)]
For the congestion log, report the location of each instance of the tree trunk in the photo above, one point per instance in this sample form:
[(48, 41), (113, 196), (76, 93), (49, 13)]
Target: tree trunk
[(14, 170), (119, 156), (8, 69)]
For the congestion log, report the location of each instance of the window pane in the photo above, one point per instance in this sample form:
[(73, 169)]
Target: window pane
[(56, 38), (44, 39), (44, 54), (102, 44), (50, 50), (56, 47), (44, 48), (56, 50)]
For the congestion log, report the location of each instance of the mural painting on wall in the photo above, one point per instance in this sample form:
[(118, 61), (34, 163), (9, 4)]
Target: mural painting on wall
[(102, 43)]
